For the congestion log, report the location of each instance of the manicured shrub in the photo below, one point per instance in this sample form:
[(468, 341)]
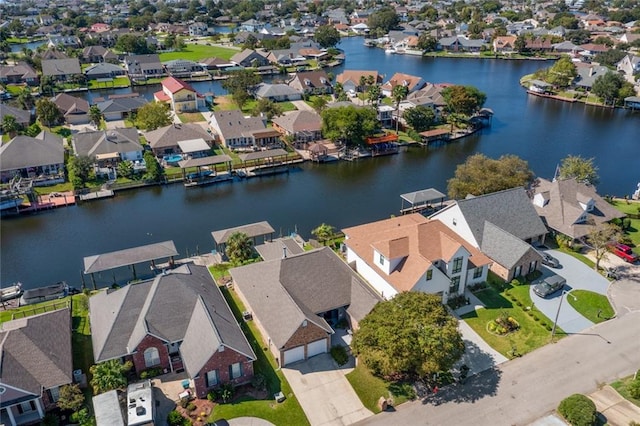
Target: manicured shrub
[(578, 410), (339, 354), (175, 419)]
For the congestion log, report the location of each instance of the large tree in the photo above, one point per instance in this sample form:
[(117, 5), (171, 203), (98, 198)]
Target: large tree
[(327, 36), (350, 124), (80, 171), (109, 375), (411, 335), (600, 237), (384, 20), (420, 118), (464, 100), (48, 112), (153, 115), (267, 107), (154, 172), (562, 73), (609, 87), (10, 125), (240, 84), (427, 43), (239, 248), (583, 169), (133, 44), (482, 175)]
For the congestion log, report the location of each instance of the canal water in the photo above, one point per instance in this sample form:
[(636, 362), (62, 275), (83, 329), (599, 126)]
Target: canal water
[(47, 247)]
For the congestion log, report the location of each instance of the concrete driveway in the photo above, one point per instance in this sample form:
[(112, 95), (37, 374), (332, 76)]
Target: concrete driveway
[(324, 393), (579, 277)]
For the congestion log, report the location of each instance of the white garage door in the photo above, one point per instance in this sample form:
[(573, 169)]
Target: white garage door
[(293, 355), (316, 348)]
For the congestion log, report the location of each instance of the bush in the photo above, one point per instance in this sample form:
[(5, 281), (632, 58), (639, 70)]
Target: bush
[(339, 354), (516, 282), (175, 419), (191, 406), (259, 382), (151, 372), (211, 396), (578, 410), (532, 276), (626, 223), (634, 388)]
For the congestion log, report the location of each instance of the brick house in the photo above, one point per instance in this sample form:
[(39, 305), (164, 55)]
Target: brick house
[(36, 362), (174, 322), (295, 299)]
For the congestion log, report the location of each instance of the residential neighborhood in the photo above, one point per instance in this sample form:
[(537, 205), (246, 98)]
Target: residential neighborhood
[(231, 213)]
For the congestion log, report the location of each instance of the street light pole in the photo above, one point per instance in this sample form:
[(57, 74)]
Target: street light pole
[(555, 322)]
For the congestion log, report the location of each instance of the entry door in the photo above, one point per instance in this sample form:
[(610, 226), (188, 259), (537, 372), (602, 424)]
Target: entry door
[(293, 355), (316, 348)]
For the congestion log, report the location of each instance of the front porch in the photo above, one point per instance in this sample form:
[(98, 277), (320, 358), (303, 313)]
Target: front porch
[(22, 413)]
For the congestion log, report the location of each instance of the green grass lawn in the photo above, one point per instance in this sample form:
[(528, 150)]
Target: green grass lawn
[(632, 207), (513, 301), (196, 52), (14, 89), (370, 388), (589, 304), (590, 263), (288, 412), (61, 187), (191, 117), (622, 387), (122, 81)]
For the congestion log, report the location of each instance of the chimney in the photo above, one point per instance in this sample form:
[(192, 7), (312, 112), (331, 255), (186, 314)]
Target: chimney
[(590, 71), (284, 252)]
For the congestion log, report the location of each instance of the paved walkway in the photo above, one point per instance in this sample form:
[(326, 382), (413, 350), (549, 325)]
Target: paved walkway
[(249, 421), (617, 410), (324, 393)]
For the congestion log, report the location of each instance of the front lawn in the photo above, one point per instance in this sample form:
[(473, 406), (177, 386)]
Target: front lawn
[(593, 306), (61, 187), (121, 81), (196, 52), (370, 388), (288, 412), (631, 207), (515, 302), (191, 117), (622, 387)]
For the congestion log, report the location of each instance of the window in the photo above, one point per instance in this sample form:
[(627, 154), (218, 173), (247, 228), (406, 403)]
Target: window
[(429, 274), (213, 378), (518, 271), (235, 370), (477, 273), (381, 260), (454, 287), (151, 357), (26, 407), (457, 265), (533, 266), (54, 394)]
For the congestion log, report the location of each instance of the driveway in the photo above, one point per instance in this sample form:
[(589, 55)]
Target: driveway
[(324, 393), (579, 277), (302, 105)]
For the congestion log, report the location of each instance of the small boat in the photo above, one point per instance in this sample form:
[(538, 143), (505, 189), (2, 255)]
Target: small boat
[(390, 50), (12, 292), (43, 294)]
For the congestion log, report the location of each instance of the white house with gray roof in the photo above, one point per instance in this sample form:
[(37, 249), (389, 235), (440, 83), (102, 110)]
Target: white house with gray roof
[(40, 158), (177, 321), (503, 225), (297, 298)]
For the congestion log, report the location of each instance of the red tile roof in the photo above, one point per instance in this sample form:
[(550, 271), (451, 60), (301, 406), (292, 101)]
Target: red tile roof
[(161, 96), (174, 85)]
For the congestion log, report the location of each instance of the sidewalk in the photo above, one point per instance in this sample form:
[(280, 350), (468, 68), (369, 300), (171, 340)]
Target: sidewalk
[(617, 410)]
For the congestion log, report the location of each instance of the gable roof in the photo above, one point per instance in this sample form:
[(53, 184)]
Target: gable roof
[(59, 67), (284, 292), (68, 104), (99, 142), (510, 210), (174, 85), (103, 68), (265, 90), (22, 116), (504, 248), (563, 207), (121, 104), (25, 151), (310, 79), (169, 136), (233, 124), (354, 76), (21, 69), (417, 240), (35, 352), (299, 121), (167, 307), (411, 81)]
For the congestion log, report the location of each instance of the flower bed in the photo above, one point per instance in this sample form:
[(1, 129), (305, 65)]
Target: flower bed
[(503, 325)]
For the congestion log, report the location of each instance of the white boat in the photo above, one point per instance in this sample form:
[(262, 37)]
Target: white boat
[(12, 292), (390, 50)]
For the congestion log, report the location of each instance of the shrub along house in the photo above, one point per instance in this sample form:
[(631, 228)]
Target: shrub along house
[(296, 299), (176, 321), (411, 253)]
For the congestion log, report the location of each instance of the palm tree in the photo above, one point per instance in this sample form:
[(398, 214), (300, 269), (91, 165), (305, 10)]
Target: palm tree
[(370, 80), (398, 93), (95, 115), (239, 248), (25, 99), (109, 375), (362, 83), (374, 94), (10, 125), (324, 233)]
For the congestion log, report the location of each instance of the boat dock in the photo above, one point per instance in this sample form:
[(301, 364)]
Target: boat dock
[(96, 195), (208, 180)]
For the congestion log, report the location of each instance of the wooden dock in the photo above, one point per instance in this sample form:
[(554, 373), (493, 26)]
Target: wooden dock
[(222, 177), (96, 195)]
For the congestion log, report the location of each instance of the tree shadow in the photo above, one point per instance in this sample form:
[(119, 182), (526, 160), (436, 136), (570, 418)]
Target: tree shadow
[(474, 388)]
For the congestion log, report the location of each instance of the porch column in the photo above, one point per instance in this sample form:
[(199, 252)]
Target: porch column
[(12, 419), (39, 407)]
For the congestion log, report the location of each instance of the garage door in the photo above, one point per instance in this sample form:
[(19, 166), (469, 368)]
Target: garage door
[(293, 355), (316, 348)]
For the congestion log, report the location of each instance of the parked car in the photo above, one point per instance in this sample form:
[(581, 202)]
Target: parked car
[(549, 260), (549, 286), (624, 252)]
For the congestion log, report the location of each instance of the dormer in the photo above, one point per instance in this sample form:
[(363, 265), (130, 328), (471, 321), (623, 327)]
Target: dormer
[(587, 203), (541, 199), (388, 254), (307, 82)]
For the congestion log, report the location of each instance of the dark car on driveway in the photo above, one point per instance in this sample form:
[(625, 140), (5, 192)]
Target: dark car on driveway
[(549, 286), (549, 260)]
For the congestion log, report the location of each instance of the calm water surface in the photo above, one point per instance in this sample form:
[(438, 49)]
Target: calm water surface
[(47, 247)]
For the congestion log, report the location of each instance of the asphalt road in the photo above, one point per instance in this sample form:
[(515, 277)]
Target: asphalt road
[(521, 391)]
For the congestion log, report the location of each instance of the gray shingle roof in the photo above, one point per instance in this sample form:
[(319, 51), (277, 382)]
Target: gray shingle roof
[(91, 144), (130, 256), (164, 307), (275, 90), (272, 250), (23, 117), (510, 210), (169, 136), (251, 230), (60, 67), (501, 246), (121, 105), (284, 292), (103, 68), (36, 351), (298, 121), (25, 151)]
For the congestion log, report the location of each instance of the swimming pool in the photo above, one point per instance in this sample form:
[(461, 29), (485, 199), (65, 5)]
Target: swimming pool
[(173, 158)]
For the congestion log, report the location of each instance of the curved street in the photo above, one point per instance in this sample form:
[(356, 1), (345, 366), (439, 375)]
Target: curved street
[(523, 390)]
